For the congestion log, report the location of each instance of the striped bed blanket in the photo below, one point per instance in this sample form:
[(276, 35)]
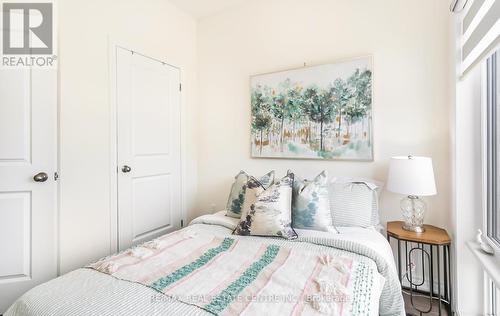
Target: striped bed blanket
[(233, 275)]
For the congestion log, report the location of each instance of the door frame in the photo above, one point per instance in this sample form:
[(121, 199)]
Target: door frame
[(113, 45)]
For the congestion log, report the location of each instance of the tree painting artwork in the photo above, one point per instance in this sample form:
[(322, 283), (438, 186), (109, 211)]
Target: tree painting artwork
[(319, 112)]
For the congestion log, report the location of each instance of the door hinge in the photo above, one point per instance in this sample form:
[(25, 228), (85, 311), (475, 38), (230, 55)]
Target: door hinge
[(56, 176), (182, 223), (180, 86)]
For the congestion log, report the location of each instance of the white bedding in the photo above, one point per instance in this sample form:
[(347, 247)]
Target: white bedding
[(88, 292), (370, 236)]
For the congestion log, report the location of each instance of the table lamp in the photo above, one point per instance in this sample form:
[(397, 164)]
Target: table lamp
[(412, 176)]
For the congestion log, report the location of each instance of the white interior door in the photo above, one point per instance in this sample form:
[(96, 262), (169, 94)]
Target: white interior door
[(27, 207), (148, 147)]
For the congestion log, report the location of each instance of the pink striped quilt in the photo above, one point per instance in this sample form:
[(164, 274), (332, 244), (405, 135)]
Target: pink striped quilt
[(233, 275)]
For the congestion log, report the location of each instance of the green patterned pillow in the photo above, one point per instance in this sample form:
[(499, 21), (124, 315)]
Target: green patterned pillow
[(237, 194), (267, 212), (311, 204)]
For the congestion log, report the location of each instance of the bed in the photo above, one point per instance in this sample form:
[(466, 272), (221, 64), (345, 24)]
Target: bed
[(243, 274)]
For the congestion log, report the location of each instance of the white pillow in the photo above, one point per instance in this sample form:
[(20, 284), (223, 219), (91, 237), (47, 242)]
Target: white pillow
[(311, 204), (267, 212), (354, 202), (237, 194)]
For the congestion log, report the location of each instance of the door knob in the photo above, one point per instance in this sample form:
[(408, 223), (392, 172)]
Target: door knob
[(40, 177), (126, 169)]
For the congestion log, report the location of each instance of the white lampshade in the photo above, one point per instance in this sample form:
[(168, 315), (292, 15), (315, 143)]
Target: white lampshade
[(411, 175)]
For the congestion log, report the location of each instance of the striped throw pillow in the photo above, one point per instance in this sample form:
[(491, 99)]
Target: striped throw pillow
[(354, 203)]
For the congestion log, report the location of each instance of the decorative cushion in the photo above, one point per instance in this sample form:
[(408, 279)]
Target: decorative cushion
[(376, 188), (237, 194), (354, 203), (267, 212), (311, 204)]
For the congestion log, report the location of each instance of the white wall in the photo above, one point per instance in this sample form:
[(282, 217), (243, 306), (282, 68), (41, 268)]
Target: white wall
[(155, 28), (409, 41)]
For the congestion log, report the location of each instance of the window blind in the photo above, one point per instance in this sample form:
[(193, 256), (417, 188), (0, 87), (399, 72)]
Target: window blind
[(480, 31)]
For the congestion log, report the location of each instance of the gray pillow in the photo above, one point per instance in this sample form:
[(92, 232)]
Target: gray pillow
[(354, 203), (311, 204), (267, 212), (237, 194)]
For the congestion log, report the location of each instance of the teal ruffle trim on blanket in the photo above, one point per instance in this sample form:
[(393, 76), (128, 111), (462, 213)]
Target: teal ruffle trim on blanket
[(221, 301), (180, 273), (362, 290)]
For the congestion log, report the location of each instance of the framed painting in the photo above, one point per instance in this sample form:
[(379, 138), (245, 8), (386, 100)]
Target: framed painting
[(316, 112)]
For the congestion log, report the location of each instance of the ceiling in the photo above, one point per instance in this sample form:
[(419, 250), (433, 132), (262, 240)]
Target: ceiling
[(202, 8)]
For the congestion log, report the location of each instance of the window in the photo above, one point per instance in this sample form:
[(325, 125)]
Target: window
[(493, 150)]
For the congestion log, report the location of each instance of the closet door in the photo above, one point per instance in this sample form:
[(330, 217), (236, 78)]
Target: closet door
[(148, 147)]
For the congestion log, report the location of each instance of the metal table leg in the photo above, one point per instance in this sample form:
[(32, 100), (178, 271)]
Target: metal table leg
[(439, 280), (399, 261)]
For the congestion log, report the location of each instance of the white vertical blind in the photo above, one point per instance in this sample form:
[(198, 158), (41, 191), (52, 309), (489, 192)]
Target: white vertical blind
[(480, 31)]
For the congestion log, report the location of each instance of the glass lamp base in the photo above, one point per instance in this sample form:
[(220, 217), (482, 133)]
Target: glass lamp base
[(416, 229), (413, 213)]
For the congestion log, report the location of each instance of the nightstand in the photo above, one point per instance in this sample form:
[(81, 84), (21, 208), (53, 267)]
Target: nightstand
[(429, 254)]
